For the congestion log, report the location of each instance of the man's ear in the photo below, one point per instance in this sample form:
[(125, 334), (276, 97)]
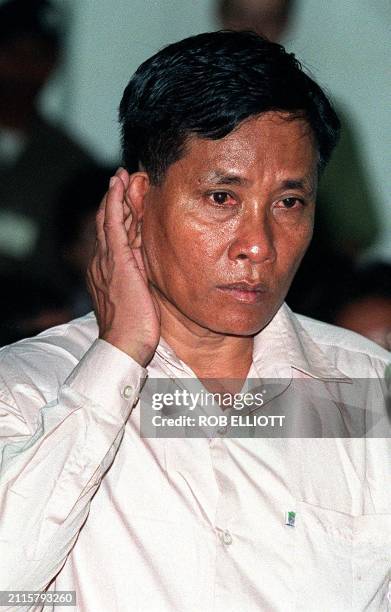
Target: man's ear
[(136, 191), (135, 197)]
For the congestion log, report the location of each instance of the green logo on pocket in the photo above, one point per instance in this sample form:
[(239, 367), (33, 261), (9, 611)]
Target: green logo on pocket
[(290, 518)]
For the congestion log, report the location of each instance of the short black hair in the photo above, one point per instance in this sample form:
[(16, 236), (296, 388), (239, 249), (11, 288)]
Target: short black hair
[(206, 85)]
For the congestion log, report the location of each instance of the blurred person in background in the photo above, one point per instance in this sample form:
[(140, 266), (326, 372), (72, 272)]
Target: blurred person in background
[(75, 230), (36, 157), (364, 304), (29, 305), (356, 297), (34, 303), (269, 18)]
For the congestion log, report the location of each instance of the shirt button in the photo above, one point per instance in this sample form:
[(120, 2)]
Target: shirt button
[(226, 537), (127, 392), (222, 430)]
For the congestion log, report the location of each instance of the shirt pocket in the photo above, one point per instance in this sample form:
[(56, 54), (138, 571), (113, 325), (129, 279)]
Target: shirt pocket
[(372, 563), (342, 562), (323, 573)]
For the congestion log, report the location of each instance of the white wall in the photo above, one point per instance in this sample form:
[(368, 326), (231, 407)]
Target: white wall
[(108, 40), (345, 43)]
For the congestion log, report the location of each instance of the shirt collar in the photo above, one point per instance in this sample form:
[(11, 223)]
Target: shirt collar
[(285, 342), (167, 356)]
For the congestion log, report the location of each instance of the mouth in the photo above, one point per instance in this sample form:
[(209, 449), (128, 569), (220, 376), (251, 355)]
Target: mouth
[(248, 293)]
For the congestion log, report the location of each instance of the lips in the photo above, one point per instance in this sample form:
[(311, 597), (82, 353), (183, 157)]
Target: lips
[(249, 293)]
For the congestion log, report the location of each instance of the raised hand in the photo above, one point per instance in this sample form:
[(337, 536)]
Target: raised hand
[(127, 313)]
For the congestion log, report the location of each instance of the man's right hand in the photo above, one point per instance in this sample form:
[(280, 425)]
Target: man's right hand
[(127, 313)]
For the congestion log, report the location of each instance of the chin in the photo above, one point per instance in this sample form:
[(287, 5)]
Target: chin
[(240, 325)]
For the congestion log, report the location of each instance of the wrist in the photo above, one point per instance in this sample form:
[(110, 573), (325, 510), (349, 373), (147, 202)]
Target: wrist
[(141, 352)]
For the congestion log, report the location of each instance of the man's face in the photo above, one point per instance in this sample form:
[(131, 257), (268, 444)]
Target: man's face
[(225, 231)]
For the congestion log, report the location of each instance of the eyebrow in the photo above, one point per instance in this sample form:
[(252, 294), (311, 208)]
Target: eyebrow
[(219, 178), (302, 183), (293, 184)]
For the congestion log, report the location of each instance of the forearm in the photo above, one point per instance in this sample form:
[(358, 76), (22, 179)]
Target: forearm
[(48, 479)]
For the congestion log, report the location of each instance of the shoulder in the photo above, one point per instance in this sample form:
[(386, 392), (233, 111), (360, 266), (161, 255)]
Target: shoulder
[(352, 353), (44, 361)]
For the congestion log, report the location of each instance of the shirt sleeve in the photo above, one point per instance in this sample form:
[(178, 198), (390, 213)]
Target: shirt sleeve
[(48, 476)]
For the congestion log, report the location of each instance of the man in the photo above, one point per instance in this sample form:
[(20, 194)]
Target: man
[(198, 240)]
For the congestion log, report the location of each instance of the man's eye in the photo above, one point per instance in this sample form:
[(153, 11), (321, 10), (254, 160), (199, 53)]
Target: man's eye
[(221, 197), (291, 202)]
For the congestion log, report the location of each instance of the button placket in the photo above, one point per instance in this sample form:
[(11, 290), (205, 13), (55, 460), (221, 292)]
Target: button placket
[(225, 537), (222, 431)]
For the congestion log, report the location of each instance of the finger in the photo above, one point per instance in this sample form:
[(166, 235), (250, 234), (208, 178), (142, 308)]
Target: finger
[(130, 220), (114, 222), (100, 217), (99, 221), (129, 211), (123, 175)]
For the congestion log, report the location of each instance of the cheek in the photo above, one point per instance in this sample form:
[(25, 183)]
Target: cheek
[(175, 254), (295, 243), (208, 246), (152, 244)]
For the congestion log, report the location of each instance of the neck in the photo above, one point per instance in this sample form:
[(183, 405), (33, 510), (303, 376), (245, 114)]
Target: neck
[(207, 353)]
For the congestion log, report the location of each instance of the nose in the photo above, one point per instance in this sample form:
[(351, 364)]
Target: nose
[(253, 241)]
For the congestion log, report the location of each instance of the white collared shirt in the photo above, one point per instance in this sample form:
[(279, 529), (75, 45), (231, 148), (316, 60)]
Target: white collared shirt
[(187, 524)]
